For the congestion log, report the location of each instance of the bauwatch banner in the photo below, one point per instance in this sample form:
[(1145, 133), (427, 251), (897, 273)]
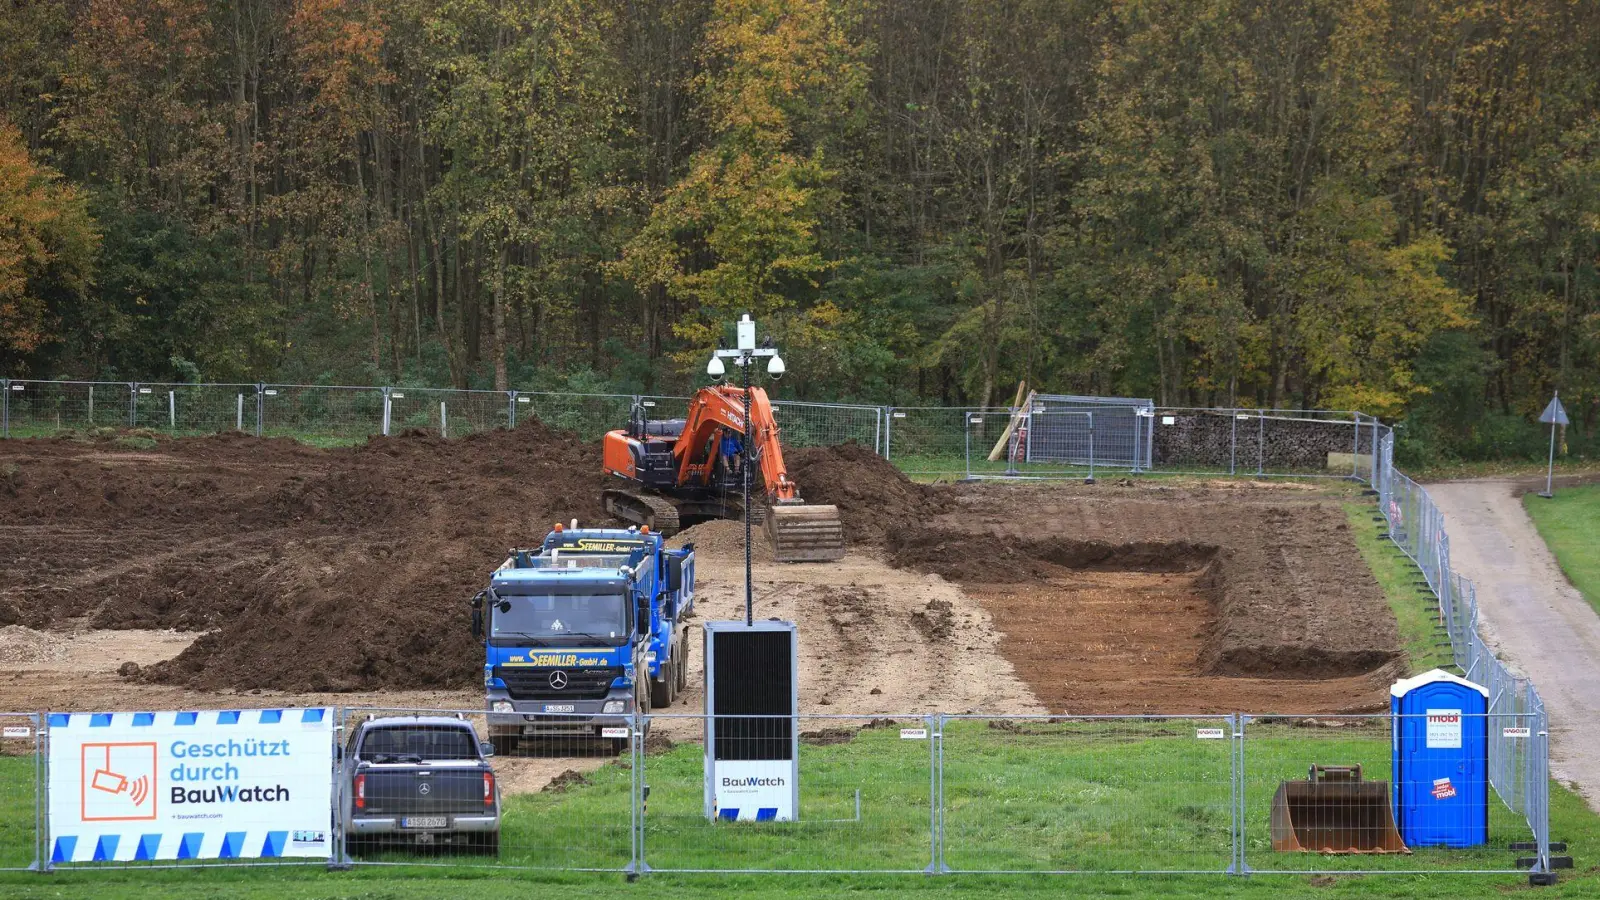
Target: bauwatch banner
[(240, 784), (757, 790)]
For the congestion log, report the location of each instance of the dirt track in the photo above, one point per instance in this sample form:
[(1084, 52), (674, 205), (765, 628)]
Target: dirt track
[(1531, 615)]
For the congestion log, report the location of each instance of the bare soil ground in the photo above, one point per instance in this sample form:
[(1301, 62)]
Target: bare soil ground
[(237, 572)]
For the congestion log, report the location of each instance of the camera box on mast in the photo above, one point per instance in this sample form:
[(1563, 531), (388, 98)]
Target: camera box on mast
[(752, 739)]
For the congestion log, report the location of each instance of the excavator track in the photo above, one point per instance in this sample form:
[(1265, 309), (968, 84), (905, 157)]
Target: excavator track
[(643, 509), (802, 532)]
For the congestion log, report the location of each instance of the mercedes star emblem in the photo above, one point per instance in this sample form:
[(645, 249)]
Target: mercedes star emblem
[(424, 788), (558, 679)]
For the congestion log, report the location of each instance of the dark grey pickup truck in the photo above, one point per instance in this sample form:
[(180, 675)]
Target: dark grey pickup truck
[(423, 781)]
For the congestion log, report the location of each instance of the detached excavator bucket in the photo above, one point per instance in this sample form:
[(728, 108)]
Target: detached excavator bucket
[(804, 533), (1334, 811)]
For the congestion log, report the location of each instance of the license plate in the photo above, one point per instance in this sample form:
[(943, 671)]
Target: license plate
[(560, 707), (422, 822)]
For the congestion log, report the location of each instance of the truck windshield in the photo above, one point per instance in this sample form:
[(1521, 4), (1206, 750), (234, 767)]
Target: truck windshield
[(416, 743), (590, 617)]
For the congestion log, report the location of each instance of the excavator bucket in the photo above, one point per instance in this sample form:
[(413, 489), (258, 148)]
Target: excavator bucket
[(1334, 811), (804, 532)]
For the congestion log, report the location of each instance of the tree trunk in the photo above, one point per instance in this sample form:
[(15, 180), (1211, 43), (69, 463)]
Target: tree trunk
[(499, 318)]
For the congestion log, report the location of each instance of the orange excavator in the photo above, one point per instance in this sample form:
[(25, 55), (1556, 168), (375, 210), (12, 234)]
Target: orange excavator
[(679, 472)]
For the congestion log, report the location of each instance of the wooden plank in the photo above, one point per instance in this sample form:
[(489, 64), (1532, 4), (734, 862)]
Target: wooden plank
[(1018, 410)]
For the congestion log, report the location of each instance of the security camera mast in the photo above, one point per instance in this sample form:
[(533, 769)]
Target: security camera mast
[(678, 472)]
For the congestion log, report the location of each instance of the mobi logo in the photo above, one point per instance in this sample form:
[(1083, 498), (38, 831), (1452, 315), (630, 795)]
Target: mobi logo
[(753, 781), (118, 782), (1444, 718)]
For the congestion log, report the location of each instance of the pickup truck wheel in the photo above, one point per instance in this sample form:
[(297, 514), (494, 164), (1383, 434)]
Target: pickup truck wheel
[(504, 744)]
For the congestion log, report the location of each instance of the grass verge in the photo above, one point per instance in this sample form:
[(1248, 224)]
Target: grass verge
[(1570, 525), (1398, 575)]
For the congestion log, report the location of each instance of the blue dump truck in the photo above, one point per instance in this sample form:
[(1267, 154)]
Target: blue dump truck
[(582, 631)]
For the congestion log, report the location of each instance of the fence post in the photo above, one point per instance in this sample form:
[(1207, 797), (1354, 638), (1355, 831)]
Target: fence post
[(638, 795), (238, 415), (966, 434), (1355, 449), (511, 409), (5, 407), (387, 411), (172, 411), (1090, 479), (1261, 444), (261, 403), (444, 422), (1233, 441), (338, 859), (877, 433), (936, 864), (1239, 866), (41, 822), (888, 431)]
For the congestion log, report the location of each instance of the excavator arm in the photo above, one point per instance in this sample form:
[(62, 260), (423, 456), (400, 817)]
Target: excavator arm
[(665, 491), (717, 408)]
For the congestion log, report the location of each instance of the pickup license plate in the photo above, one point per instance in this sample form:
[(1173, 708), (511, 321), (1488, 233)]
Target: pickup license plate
[(422, 822), (559, 707)]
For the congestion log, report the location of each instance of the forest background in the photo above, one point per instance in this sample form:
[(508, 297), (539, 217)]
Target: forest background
[(1384, 205)]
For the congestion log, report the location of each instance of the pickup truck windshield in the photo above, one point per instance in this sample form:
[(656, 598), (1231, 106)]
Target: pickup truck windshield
[(416, 743), (591, 617)]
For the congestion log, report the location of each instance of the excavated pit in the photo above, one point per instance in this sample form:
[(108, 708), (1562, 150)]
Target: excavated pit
[(1145, 626)]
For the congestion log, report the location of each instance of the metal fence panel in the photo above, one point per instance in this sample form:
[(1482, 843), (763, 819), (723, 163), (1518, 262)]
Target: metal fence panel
[(826, 424), (447, 413), (933, 440), (567, 801), (21, 796), (1121, 427), (45, 408), (1035, 443), (194, 409), (321, 415), (1093, 794), (1278, 754), (866, 789)]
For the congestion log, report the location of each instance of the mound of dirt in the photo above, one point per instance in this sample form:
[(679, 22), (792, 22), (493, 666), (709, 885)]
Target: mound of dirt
[(874, 498), (318, 570)]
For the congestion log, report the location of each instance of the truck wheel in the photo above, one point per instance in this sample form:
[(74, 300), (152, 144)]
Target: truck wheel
[(504, 744), (663, 691), (487, 844)]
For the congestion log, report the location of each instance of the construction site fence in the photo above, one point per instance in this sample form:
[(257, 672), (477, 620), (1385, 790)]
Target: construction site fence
[(1083, 440), (338, 414), (1052, 439), (938, 794)]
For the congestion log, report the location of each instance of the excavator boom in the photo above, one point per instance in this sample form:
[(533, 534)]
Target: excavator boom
[(691, 478)]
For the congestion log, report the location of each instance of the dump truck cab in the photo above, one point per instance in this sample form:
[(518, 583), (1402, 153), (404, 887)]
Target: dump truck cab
[(582, 633)]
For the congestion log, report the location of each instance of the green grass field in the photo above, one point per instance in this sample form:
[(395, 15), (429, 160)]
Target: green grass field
[(1570, 524), (1032, 796)]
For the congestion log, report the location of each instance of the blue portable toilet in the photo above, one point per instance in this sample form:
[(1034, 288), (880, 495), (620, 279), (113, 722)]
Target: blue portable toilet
[(1440, 729)]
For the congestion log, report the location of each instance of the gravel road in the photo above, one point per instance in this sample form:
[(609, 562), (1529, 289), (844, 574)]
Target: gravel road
[(1532, 616)]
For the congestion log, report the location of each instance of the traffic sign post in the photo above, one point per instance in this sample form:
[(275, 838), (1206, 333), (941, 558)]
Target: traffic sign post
[(1554, 415)]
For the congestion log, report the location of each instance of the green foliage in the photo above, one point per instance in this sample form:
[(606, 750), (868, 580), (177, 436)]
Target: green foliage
[(1212, 202)]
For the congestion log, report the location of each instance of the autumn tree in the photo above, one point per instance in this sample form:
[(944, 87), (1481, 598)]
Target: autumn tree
[(47, 245)]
